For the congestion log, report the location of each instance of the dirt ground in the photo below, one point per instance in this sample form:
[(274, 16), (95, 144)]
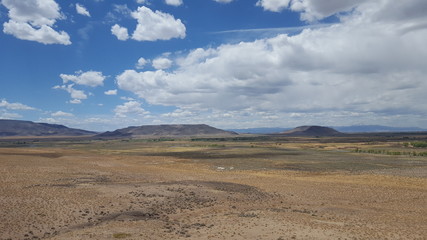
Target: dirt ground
[(72, 193)]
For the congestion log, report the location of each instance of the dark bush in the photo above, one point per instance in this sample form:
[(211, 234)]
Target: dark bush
[(419, 144)]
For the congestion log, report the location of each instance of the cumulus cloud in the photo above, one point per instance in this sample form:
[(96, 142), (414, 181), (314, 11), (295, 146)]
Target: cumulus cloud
[(62, 114), (173, 2), (311, 10), (131, 107), (14, 106), (318, 9), (76, 95), (82, 10), (156, 25), (33, 20), (141, 63), (120, 32), (370, 63), (89, 78), (273, 5), (162, 63), (152, 26), (111, 92)]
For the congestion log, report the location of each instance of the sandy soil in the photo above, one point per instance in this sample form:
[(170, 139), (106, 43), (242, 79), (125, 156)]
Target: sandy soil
[(70, 194)]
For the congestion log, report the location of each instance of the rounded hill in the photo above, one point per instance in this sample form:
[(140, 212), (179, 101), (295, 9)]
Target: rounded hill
[(312, 131), (9, 128), (167, 130)]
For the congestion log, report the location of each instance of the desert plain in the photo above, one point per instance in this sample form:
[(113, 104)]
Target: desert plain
[(213, 188)]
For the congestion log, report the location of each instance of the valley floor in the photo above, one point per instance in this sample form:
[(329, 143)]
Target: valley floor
[(98, 192)]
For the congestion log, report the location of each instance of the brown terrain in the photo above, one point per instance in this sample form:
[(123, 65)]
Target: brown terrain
[(206, 189)]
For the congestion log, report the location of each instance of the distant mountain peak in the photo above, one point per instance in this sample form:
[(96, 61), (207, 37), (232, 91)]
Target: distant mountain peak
[(312, 130)]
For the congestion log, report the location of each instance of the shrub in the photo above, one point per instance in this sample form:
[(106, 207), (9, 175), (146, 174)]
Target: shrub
[(121, 235), (419, 144)]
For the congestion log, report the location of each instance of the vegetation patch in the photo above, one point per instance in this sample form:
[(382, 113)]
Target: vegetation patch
[(388, 152), (419, 144), (121, 235)]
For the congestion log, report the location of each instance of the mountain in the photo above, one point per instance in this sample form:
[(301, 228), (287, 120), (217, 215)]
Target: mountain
[(376, 128), (259, 130), (342, 129), (166, 130), (9, 128), (312, 131)]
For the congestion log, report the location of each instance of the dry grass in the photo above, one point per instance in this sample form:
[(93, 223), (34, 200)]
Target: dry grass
[(306, 189)]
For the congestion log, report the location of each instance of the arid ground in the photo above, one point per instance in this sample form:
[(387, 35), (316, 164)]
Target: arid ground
[(213, 189)]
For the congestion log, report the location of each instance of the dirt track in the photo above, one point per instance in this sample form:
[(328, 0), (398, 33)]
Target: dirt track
[(69, 194)]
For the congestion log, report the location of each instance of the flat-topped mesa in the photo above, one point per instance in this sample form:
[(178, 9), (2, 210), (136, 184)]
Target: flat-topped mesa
[(312, 131), (167, 130)]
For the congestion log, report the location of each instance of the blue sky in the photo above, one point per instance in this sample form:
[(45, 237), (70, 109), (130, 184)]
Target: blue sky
[(102, 65)]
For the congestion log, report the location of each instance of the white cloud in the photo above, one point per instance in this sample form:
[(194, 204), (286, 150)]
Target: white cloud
[(75, 101), (273, 5), (9, 115), (36, 12), (162, 63), (62, 114), (142, 83), (317, 9), (131, 107), (173, 2), (370, 64), (76, 95), (14, 106), (49, 120), (33, 20), (179, 113), (89, 78), (127, 98), (111, 92), (153, 26), (45, 34), (311, 10), (82, 10), (120, 32), (122, 9), (141, 63)]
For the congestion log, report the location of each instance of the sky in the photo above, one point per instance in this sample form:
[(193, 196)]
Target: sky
[(103, 64)]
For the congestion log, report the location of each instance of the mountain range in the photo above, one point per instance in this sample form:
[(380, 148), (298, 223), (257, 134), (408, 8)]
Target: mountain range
[(10, 128), (343, 129)]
